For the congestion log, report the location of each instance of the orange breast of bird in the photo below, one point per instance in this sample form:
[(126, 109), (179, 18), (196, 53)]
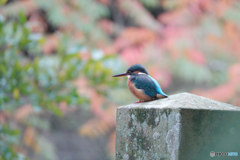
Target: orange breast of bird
[(139, 93)]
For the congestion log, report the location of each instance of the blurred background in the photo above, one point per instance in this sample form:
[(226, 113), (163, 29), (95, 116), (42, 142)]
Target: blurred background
[(57, 96)]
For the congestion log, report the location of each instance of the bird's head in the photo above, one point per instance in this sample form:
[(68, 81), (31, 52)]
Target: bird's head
[(134, 69)]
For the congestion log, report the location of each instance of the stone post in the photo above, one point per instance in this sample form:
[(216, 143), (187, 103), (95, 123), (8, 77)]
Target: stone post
[(181, 127)]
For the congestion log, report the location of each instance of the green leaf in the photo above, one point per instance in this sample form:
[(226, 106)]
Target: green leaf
[(16, 94), (55, 110), (2, 2), (22, 18), (232, 14)]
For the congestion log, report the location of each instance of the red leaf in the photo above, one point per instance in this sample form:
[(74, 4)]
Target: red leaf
[(134, 36), (234, 73), (106, 25), (50, 45), (23, 111), (162, 76), (131, 55), (220, 93), (196, 56)]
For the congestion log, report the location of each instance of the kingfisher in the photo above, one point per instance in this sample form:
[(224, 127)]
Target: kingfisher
[(141, 84)]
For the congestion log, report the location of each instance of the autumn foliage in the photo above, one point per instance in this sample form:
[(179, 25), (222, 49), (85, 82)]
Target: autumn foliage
[(57, 58)]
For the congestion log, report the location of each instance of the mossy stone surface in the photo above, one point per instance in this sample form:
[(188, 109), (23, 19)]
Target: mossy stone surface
[(183, 126)]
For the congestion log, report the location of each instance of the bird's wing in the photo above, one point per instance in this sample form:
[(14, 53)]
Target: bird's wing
[(146, 84), (158, 88)]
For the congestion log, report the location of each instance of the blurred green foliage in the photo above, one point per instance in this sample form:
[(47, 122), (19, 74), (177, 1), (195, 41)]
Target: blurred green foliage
[(8, 139), (36, 78), (27, 76)]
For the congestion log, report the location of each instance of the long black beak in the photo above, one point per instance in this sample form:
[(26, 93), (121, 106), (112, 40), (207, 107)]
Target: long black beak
[(122, 74)]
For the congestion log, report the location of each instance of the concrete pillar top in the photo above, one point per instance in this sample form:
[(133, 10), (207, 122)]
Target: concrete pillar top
[(184, 101)]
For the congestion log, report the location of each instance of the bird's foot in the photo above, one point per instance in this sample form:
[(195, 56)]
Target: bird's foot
[(138, 101)]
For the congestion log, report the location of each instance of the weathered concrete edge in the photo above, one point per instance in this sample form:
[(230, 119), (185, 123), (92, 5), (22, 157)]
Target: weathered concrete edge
[(184, 101)]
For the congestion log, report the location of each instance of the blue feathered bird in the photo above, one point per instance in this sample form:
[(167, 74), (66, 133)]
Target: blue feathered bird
[(141, 84)]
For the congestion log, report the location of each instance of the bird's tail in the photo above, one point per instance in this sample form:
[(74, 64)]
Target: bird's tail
[(159, 96)]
